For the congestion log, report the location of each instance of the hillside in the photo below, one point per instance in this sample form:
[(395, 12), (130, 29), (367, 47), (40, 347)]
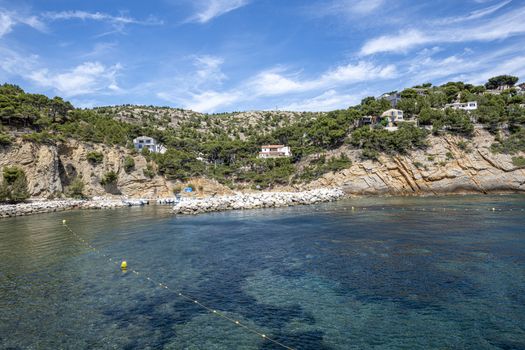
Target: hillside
[(438, 150)]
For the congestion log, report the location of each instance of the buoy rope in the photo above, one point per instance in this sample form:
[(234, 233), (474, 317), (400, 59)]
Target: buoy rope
[(178, 293), (429, 209)]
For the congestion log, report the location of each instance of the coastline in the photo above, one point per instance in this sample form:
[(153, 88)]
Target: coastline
[(50, 206), (257, 200), (193, 206)]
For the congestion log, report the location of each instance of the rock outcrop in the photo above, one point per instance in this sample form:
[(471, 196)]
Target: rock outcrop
[(50, 169), (450, 165)]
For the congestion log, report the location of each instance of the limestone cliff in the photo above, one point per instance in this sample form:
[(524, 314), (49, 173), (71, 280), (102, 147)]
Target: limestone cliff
[(450, 164), (50, 169)]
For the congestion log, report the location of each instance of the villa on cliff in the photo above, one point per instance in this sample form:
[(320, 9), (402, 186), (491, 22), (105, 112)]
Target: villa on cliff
[(145, 142), (393, 117), (275, 151), (468, 106), (367, 120), (393, 98)]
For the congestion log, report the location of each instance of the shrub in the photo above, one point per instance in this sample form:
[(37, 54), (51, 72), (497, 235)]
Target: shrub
[(148, 172), (95, 157), (5, 140), (14, 186), (449, 155), (109, 178), (177, 189), (76, 189), (418, 165), (129, 164), (518, 162)]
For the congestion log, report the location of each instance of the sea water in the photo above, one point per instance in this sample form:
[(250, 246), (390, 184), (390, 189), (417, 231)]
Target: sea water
[(376, 273)]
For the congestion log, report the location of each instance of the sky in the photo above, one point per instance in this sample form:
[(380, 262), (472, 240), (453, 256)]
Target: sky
[(236, 55)]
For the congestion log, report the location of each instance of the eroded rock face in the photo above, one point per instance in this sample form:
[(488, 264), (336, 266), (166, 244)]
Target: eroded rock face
[(443, 168), (50, 169)]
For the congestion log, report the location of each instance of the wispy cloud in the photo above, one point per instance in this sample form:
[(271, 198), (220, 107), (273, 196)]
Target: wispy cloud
[(195, 93), (9, 19), (118, 21), (275, 82), (327, 101), (501, 27), (474, 14), (86, 78), (209, 9)]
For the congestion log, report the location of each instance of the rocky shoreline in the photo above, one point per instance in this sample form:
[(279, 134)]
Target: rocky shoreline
[(186, 206), (49, 206), (257, 200)]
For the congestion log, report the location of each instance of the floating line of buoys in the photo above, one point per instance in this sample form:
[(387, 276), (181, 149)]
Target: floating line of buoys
[(433, 209), (124, 267)]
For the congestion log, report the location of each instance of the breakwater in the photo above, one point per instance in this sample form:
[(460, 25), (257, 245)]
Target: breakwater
[(48, 206), (257, 200)]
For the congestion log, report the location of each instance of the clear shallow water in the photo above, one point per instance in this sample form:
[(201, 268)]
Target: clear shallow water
[(397, 273)]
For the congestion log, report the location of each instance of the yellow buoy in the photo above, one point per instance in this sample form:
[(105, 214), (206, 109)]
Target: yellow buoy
[(124, 265), (64, 222)]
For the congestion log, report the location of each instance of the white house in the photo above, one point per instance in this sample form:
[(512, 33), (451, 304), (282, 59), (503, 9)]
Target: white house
[(150, 143), (393, 116), (468, 106), (393, 98), (275, 151)]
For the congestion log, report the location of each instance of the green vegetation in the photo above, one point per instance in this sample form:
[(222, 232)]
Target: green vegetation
[(95, 157), (321, 166), (518, 161), (129, 164), (109, 178), (14, 185), (148, 172), (76, 189), (225, 146), (374, 141), (5, 140), (501, 80)]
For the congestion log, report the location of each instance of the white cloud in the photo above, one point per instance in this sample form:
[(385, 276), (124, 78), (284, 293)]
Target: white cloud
[(10, 19), (348, 8), (194, 91), (86, 78), (6, 23), (273, 82), (474, 14), (501, 27), (363, 6), (117, 21), (209, 101), (209, 69), (209, 9), (395, 43), (327, 101)]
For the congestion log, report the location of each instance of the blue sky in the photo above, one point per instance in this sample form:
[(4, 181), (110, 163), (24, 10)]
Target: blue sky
[(231, 55)]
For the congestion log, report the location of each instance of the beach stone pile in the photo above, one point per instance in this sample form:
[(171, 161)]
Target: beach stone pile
[(37, 207), (257, 200)]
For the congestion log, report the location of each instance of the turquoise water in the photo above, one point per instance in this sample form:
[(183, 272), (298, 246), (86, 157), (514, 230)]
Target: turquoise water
[(395, 273)]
